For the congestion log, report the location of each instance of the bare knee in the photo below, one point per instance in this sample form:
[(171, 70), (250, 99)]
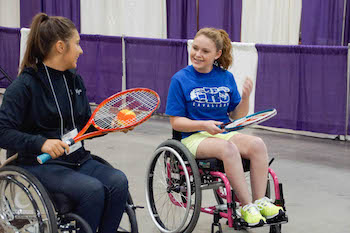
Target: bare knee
[(229, 152), (257, 149)]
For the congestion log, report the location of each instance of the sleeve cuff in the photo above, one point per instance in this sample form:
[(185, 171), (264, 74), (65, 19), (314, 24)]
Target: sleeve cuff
[(38, 143)]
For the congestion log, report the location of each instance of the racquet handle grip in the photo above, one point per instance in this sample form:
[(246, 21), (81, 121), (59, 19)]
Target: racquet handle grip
[(45, 157)]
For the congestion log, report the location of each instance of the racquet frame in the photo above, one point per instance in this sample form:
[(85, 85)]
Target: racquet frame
[(81, 136), (252, 119)]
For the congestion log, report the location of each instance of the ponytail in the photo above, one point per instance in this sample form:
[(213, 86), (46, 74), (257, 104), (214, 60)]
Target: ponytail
[(45, 31), (225, 60)]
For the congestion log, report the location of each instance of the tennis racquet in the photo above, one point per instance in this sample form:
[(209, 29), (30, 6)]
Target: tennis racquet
[(252, 119), (121, 111)]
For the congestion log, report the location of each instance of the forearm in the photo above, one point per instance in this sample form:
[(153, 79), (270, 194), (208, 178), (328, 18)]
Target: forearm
[(183, 124), (15, 140)]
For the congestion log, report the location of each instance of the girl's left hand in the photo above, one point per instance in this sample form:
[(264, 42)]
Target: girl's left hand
[(247, 88)]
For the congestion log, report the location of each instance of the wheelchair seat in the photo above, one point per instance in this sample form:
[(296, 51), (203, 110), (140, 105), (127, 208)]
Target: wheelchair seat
[(211, 164)]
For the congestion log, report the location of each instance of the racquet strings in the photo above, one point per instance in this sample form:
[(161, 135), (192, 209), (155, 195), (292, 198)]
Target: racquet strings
[(142, 103), (251, 120)]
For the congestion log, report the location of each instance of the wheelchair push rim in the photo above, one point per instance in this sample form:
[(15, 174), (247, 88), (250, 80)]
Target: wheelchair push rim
[(24, 203)]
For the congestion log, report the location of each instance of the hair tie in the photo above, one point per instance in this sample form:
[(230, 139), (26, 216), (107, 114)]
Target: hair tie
[(45, 17)]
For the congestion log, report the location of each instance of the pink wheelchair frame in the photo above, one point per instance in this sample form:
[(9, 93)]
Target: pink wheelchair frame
[(201, 175)]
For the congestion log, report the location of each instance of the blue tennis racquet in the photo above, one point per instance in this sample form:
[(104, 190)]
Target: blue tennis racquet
[(252, 119)]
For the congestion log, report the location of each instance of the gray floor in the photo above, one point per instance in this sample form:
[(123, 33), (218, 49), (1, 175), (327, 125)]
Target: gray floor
[(315, 174)]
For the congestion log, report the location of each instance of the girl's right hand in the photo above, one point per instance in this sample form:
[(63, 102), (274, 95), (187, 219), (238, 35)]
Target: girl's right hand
[(212, 127), (54, 147)]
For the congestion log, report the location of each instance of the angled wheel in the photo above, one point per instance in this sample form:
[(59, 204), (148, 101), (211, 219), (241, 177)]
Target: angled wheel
[(24, 205), (129, 222), (173, 192)]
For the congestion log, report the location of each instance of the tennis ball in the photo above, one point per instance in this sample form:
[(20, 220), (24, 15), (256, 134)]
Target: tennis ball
[(126, 117)]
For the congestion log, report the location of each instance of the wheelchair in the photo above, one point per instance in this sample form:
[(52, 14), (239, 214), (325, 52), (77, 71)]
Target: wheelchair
[(174, 184), (25, 205)]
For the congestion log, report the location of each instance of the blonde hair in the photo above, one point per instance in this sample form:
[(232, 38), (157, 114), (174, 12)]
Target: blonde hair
[(45, 31), (222, 42)]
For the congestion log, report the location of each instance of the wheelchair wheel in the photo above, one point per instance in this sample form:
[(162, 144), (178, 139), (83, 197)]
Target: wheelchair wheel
[(173, 188), (24, 205), (129, 222)]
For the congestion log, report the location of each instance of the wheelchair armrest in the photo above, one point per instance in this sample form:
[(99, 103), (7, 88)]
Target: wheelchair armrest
[(9, 160)]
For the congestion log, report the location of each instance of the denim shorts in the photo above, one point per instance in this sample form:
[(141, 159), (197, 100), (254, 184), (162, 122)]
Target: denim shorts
[(192, 142)]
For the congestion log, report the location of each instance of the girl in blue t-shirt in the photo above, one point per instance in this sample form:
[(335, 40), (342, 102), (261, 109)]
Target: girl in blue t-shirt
[(203, 96)]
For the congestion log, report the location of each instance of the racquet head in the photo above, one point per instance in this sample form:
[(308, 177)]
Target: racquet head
[(125, 109), (252, 119)]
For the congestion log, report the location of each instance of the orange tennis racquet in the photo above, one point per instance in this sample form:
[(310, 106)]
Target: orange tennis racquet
[(121, 111)]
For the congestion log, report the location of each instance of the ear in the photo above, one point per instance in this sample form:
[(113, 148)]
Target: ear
[(60, 46), (218, 54)]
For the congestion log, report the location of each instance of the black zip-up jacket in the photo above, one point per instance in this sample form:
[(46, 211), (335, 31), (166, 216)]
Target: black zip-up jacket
[(29, 114)]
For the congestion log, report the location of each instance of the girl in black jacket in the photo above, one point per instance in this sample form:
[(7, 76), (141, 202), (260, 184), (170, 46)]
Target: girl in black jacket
[(45, 103)]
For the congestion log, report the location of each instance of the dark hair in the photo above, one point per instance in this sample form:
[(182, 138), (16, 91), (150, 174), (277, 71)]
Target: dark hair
[(222, 42), (45, 31)]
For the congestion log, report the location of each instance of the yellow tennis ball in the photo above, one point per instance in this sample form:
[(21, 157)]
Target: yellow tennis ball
[(126, 117)]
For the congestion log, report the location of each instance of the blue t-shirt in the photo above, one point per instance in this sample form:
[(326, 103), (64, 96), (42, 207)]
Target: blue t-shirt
[(202, 96)]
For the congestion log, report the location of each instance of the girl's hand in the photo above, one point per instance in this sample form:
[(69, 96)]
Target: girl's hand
[(212, 127), (54, 147), (247, 88)]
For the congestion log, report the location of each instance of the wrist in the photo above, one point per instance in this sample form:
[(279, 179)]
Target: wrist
[(245, 98)]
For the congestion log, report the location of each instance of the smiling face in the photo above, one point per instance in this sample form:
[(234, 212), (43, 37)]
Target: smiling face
[(72, 51), (203, 54)]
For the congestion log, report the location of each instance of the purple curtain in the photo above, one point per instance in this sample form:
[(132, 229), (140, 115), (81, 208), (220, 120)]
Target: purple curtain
[(347, 24), (321, 22), (101, 66), (151, 63), (277, 85), (181, 19), (322, 106), (223, 14), (27, 11), (66, 8), (9, 55), (306, 84)]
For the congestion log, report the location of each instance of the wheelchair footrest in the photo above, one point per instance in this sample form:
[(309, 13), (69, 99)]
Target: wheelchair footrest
[(244, 224), (282, 218), (239, 223)]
